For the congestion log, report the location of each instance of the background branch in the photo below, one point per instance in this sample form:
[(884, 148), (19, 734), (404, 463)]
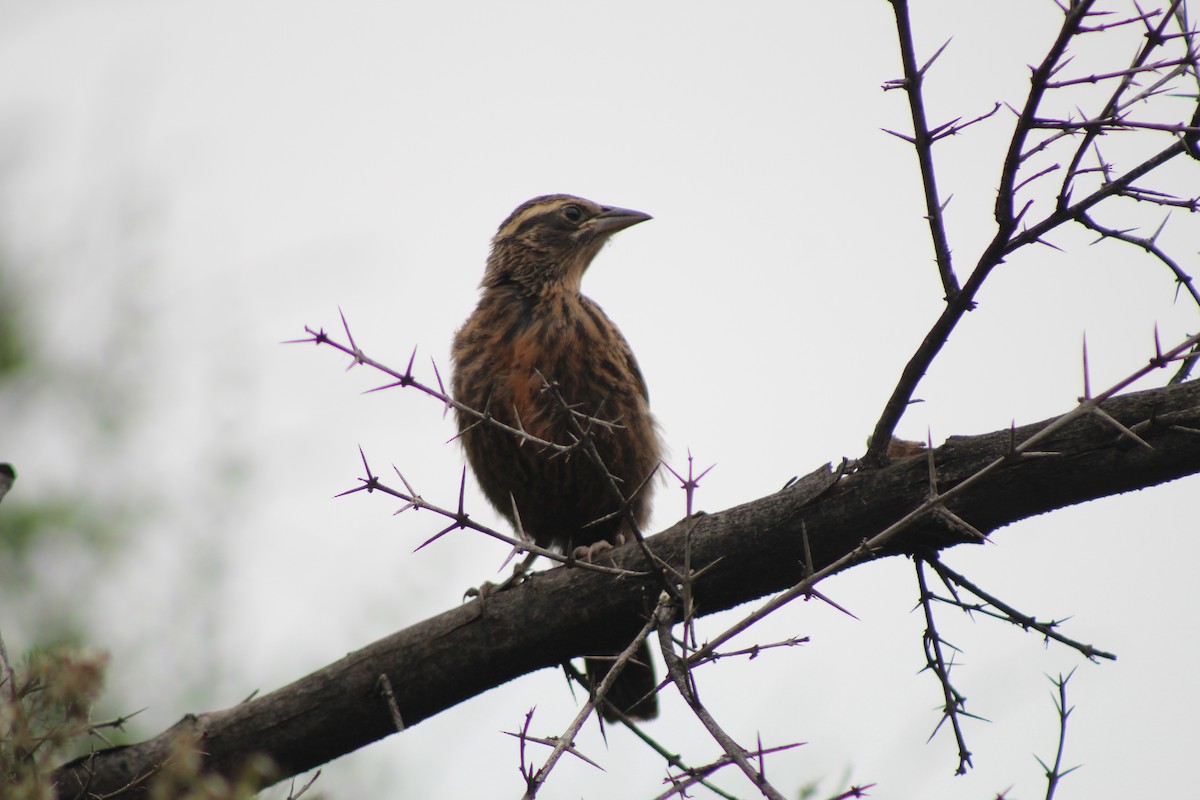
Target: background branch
[(1008, 237)]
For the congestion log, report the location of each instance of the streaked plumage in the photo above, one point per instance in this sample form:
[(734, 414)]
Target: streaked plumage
[(533, 324)]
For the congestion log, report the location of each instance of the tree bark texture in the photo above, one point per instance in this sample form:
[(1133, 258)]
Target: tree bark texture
[(757, 549)]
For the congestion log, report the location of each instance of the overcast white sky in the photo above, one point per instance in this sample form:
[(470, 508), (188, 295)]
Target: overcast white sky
[(190, 183)]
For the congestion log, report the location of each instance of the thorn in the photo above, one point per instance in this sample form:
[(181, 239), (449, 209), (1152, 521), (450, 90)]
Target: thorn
[(408, 376), (357, 354), (351, 491), (465, 430), (1154, 236), (462, 490), (313, 336), (933, 482), (519, 425), (1087, 381), (452, 526), (840, 608), (366, 466), (407, 486), (933, 134), (637, 489), (1021, 214), (960, 524), (391, 385), (441, 388), (1124, 431), (808, 559), (898, 135), (524, 537), (697, 573), (370, 483), (414, 499), (921, 72)]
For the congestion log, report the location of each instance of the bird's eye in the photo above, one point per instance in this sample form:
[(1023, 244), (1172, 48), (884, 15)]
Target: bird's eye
[(573, 213)]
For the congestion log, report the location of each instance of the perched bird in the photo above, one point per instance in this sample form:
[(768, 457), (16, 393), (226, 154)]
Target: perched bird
[(532, 328)]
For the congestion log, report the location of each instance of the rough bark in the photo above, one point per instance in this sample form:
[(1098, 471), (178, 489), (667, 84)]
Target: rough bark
[(563, 613)]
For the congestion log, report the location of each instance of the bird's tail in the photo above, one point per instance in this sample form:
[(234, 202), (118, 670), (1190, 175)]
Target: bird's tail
[(633, 692)]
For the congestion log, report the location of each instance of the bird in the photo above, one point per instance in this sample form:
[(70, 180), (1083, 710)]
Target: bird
[(539, 356)]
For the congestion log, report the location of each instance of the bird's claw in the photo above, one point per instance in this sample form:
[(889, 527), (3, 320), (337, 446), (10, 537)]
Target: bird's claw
[(588, 553), (519, 575)]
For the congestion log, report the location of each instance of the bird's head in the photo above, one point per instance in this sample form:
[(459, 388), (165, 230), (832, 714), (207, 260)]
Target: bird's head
[(548, 242)]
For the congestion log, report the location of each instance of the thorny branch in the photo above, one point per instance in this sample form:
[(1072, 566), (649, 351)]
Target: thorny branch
[(954, 702), (684, 682), (1182, 279), (1017, 172), (1056, 773), (460, 520), (690, 776), (406, 379), (701, 774), (922, 140), (1004, 611), (566, 742)]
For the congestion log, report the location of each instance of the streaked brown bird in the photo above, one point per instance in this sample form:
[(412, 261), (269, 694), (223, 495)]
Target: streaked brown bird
[(532, 327)]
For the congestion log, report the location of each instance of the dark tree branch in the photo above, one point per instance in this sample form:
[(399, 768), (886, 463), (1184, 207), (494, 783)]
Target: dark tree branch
[(1010, 236), (1006, 224), (922, 140), (754, 549)]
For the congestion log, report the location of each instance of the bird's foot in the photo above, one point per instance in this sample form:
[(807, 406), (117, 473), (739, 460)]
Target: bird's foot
[(520, 573), (588, 553)]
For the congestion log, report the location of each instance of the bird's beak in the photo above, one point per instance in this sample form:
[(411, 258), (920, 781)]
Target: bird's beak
[(611, 220)]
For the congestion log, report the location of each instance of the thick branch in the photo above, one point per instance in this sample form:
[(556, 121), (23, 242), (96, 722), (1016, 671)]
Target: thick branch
[(753, 549)]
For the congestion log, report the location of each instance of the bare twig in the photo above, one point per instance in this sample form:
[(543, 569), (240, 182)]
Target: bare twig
[(922, 140), (693, 775), (1007, 612), (566, 742), (406, 379), (954, 702), (689, 484), (678, 672), (293, 794), (1056, 773), (460, 520)]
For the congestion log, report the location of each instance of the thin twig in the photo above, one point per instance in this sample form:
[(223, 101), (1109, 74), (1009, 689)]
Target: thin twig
[(1056, 773), (922, 141), (678, 672), (1008, 613), (566, 741), (953, 701)]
